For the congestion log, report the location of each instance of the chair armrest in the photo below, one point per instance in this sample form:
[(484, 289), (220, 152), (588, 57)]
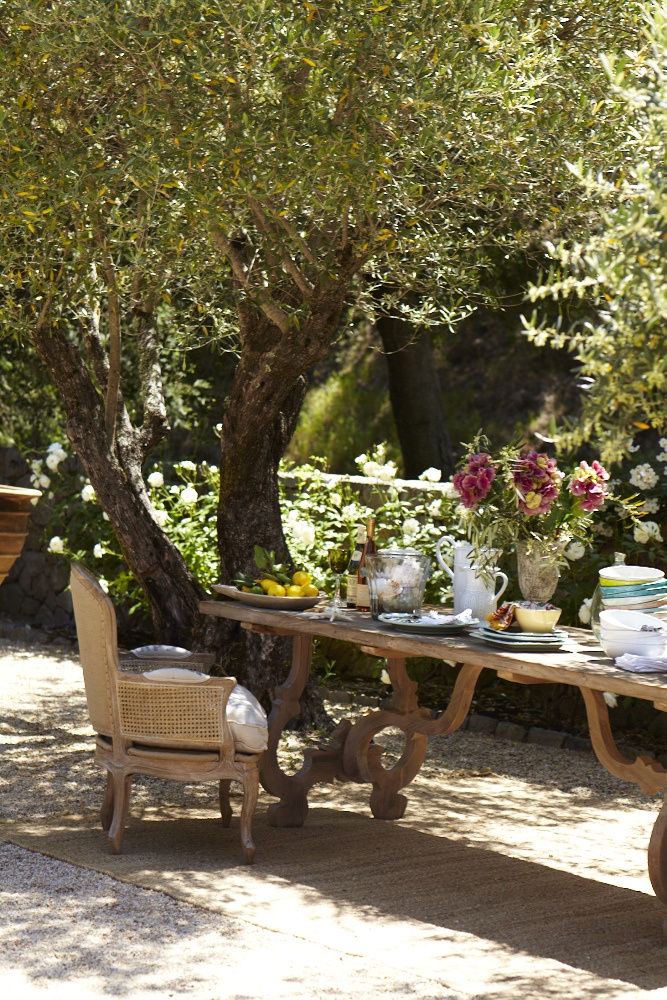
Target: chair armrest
[(138, 664)]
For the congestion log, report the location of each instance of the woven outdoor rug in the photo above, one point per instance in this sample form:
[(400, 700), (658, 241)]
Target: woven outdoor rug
[(472, 910)]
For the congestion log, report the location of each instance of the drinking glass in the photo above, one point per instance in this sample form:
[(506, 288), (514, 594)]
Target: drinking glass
[(339, 560)]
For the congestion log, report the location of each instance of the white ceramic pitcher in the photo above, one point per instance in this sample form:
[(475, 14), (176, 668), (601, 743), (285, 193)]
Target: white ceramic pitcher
[(462, 581), (476, 594)]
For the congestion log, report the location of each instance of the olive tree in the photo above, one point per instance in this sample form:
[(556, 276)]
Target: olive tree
[(300, 159), (613, 285)]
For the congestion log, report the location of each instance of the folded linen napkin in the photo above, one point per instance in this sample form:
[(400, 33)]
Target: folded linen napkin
[(642, 664)]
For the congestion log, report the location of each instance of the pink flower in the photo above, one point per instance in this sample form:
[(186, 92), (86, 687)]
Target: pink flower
[(474, 481), (537, 479), (589, 482)]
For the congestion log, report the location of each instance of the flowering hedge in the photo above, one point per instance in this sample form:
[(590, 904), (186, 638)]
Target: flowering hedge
[(320, 510)]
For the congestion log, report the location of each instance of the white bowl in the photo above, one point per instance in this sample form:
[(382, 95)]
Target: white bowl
[(631, 574), (636, 643), (630, 621)]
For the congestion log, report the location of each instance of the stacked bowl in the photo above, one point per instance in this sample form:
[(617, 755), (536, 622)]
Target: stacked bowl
[(632, 632), (634, 588)]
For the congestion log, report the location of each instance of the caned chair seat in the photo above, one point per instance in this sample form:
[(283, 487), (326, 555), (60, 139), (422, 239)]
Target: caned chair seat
[(171, 722)]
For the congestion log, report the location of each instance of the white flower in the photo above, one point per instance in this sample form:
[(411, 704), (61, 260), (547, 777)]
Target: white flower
[(385, 678), (371, 469), (188, 465), (410, 527), (103, 584), (52, 461), (435, 508), (450, 491), (431, 475), (155, 480), (663, 443), (610, 699), (213, 468), (56, 544), (88, 493), (304, 532), (43, 482), (647, 531), (34, 501), (650, 506), (105, 515), (632, 448), (218, 428), (98, 551), (336, 499), (36, 465), (585, 611), (349, 512), (575, 550), (189, 495), (387, 472), (643, 477), (160, 517), (174, 489), (662, 457)]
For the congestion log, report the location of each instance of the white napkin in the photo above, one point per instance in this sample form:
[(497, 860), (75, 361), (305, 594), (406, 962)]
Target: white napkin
[(642, 664)]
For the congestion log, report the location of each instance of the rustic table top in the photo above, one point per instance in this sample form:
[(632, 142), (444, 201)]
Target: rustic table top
[(581, 662)]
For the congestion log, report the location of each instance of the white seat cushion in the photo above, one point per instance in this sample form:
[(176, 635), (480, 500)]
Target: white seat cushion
[(245, 715)]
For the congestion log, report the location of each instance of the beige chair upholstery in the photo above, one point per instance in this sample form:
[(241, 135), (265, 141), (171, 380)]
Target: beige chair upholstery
[(155, 725)]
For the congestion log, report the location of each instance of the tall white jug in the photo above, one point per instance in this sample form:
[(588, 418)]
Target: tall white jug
[(467, 586)]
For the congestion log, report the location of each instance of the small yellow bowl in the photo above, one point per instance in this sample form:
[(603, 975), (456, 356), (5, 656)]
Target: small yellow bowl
[(537, 619)]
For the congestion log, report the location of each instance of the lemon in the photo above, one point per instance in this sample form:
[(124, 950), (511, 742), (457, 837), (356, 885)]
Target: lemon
[(275, 590), (246, 590), (294, 591), (310, 591), (301, 579), (267, 584)]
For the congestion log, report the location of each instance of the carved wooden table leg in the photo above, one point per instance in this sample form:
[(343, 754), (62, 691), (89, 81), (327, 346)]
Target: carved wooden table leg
[(320, 765), (646, 772), (363, 759)]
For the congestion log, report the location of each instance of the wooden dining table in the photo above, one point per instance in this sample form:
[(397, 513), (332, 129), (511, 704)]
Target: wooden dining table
[(352, 754)]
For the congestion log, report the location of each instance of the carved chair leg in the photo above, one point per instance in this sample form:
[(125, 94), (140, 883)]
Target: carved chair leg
[(225, 804), (106, 810), (250, 793), (122, 784)]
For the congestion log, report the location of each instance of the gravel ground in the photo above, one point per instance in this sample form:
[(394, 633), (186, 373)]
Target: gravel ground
[(76, 932)]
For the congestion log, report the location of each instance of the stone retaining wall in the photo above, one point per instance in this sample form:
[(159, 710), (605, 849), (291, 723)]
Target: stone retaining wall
[(36, 589)]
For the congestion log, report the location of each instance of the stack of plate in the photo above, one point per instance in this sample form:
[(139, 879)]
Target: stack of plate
[(634, 588), (522, 642)]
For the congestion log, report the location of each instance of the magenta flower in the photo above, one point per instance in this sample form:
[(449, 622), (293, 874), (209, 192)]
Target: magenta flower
[(474, 482), (590, 483), (537, 479)]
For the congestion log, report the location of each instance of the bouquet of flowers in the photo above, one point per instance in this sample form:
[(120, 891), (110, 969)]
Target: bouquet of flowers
[(521, 496)]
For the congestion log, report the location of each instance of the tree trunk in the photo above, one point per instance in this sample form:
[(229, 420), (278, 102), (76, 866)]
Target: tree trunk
[(415, 395), (170, 588)]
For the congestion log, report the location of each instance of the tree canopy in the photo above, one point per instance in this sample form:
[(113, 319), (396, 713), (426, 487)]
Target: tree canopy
[(620, 272)]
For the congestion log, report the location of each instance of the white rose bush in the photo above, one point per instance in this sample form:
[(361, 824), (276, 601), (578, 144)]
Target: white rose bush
[(320, 511)]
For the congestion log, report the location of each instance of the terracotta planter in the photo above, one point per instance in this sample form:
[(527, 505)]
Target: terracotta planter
[(14, 513)]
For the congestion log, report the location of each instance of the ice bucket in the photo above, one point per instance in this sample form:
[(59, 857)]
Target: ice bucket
[(396, 580)]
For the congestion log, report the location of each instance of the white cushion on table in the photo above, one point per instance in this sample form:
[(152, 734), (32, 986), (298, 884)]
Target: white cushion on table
[(245, 715)]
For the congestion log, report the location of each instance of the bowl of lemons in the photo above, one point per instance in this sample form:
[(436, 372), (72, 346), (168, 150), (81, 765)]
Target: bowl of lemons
[(272, 586)]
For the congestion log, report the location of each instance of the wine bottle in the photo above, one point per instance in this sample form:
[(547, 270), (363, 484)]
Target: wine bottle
[(354, 569), (363, 596)]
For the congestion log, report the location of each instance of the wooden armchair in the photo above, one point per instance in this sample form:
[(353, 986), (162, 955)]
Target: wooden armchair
[(164, 723)]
